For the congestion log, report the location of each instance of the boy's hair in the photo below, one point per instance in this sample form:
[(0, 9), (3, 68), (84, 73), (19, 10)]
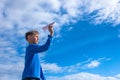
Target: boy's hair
[(32, 32)]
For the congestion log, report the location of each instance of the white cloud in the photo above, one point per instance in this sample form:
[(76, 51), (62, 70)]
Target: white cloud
[(72, 72), (118, 76), (72, 8), (11, 67), (27, 14), (93, 64), (106, 11), (89, 64), (46, 11), (11, 62), (52, 68), (83, 76)]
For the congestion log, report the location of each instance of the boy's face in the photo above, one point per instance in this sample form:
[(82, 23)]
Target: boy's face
[(33, 39)]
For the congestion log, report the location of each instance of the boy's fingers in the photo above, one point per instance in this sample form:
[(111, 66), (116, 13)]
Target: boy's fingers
[(50, 26)]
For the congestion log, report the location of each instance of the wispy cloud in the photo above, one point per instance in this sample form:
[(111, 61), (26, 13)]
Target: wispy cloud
[(29, 14), (89, 64), (103, 11), (93, 64), (83, 76), (118, 75), (52, 68)]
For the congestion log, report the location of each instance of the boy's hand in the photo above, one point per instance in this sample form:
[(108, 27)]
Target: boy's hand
[(50, 29)]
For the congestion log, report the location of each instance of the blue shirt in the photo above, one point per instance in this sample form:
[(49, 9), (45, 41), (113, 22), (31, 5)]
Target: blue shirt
[(32, 60)]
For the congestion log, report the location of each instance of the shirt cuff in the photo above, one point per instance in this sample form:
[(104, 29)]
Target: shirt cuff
[(49, 36)]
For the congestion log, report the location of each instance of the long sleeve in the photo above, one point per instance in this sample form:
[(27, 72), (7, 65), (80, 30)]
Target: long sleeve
[(38, 48)]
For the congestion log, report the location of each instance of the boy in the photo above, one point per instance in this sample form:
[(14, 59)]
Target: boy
[(32, 69)]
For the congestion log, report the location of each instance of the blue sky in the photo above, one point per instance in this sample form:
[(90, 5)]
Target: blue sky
[(85, 45)]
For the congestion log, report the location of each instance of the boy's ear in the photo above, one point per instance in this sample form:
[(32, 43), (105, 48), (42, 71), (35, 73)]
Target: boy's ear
[(28, 37)]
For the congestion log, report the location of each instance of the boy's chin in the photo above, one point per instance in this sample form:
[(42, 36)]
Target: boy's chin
[(36, 43), (33, 42)]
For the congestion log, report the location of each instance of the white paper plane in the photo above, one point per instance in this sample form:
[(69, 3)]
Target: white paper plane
[(46, 27)]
